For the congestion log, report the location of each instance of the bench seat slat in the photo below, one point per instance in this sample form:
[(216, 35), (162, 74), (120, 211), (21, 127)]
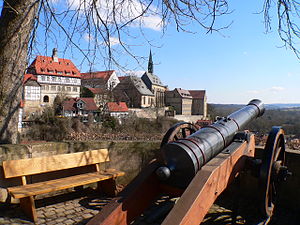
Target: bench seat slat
[(62, 183)]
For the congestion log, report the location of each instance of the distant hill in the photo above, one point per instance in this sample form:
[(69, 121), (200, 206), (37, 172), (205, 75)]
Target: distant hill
[(268, 106), (282, 106)]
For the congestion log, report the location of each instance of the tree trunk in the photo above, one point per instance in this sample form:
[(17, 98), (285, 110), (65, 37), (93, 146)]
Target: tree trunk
[(16, 25)]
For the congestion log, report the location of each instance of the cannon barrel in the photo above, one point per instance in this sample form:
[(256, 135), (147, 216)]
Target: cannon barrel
[(183, 158)]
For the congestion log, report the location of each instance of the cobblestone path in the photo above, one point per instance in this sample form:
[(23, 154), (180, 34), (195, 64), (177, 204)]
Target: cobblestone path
[(76, 207)]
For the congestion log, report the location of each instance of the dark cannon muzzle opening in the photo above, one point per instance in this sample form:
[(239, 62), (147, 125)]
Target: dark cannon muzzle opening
[(183, 158)]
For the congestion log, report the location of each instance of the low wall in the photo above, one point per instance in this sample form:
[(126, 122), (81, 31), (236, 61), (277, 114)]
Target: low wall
[(129, 157)]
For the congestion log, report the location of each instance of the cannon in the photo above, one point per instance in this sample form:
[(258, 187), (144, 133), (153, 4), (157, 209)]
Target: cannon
[(185, 157), (197, 166)]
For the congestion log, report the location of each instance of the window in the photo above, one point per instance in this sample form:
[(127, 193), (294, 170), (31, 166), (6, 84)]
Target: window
[(32, 93), (46, 87), (68, 80), (59, 72), (46, 98), (144, 100), (63, 88), (43, 78), (67, 72), (75, 89), (59, 88), (68, 88), (53, 88), (50, 71), (48, 78), (53, 78)]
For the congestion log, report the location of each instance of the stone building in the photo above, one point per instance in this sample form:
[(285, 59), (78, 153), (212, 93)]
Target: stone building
[(56, 76), (199, 105), (181, 100), (31, 94), (106, 80), (134, 92), (154, 84), (79, 107)]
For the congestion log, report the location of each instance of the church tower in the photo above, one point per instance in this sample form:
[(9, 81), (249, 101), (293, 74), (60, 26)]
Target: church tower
[(150, 63)]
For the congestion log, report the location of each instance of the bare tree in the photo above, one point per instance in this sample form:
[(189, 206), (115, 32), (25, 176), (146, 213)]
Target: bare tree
[(104, 23)]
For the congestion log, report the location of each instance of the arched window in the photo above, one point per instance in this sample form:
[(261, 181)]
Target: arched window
[(46, 98)]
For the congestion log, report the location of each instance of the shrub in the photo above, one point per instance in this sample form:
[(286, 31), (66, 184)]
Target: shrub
[(49, 127)]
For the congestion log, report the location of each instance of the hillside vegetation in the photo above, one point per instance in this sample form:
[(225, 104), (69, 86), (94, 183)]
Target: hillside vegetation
[(289, 118)]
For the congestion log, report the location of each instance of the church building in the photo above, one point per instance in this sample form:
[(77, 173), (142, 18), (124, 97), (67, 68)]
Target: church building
[(154, 84)]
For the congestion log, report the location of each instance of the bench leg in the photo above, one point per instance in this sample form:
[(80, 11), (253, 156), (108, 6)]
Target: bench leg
[(108, 187), (28, 206)]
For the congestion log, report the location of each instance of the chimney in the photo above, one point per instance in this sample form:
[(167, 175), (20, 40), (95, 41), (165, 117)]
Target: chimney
[(54, 55)]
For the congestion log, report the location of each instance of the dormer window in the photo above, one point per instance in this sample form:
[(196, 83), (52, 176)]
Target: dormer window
[(59, 72), (50, 71), (80, 105), (74, 73), (67, 72), (42, 70)]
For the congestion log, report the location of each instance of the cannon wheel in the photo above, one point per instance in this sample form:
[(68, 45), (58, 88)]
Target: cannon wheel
[(273, 170), (178, 131)]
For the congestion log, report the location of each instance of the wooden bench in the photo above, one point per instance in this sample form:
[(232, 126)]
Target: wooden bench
[(24, 168)]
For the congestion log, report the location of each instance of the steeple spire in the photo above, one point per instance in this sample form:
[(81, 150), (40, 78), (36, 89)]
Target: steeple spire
[(150, 63)]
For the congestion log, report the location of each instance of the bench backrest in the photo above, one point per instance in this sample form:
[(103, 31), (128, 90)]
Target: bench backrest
[(24, 167)]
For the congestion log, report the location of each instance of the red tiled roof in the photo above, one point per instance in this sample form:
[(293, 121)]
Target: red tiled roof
[(70, 104), (122, 78), (29, 76), (105, 75), (197, 93), (96, 90), (90, 103), (46, 64), (117, 107)]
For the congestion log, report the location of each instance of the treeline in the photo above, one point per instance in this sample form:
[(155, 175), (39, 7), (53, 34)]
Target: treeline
[(289, 119)]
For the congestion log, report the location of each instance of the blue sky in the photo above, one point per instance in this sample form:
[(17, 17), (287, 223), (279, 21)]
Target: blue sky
[(235, 66)]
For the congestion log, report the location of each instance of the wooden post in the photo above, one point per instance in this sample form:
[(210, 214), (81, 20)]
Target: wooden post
[(28, 206), (108, 187)]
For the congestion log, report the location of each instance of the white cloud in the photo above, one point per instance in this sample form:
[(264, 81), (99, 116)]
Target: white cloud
[(255, 92), (114, 41), (277, 89), (88, 38), (124, 11)]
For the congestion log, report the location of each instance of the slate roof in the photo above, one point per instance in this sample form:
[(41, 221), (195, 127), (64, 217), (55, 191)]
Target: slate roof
[(153, 78), (183, 93), (45, 64), (197, 93), (117, 107), (70, 104), (138, 83)]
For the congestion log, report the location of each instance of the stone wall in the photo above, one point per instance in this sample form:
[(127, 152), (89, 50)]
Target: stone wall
[(129, 157)]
